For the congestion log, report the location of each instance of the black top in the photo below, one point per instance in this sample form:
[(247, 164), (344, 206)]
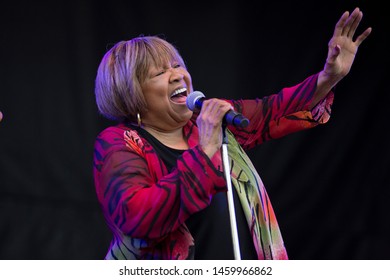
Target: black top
[(210, 227)]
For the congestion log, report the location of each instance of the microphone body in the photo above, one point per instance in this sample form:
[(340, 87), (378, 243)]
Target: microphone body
[(195, 101)]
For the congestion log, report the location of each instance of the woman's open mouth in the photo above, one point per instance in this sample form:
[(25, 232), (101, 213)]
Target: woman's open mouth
[(179, 95)]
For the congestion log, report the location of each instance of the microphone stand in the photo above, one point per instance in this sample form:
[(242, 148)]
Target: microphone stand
[(232, 214)]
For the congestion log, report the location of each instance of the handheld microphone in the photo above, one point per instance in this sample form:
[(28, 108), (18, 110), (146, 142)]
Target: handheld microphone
[(195, 101)]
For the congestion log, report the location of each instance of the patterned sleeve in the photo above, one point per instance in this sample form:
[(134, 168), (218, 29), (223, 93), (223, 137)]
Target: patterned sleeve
[(280, 114), (137, 195)]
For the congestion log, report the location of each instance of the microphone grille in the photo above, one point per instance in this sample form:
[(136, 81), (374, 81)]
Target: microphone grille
[(192, 98)]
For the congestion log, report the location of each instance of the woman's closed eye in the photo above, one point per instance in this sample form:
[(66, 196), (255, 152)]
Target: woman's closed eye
[(163, 71), (160, 73)]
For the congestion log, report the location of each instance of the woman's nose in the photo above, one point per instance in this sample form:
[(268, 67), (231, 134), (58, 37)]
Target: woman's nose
[(176, 75)]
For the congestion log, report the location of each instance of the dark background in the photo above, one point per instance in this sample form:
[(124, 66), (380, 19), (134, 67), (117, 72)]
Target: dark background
[(329, 185)]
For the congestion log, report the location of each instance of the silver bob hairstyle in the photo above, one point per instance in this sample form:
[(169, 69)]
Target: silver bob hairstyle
[(122, 71)]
